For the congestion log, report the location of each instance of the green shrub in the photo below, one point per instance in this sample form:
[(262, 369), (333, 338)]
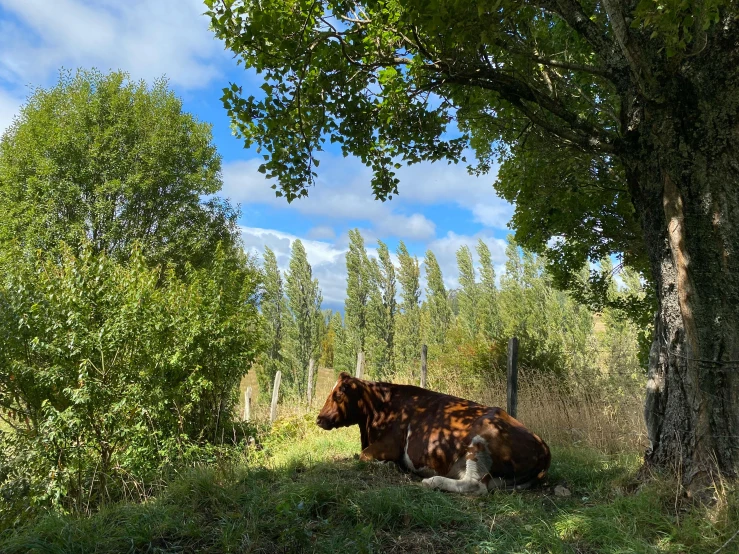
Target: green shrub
[(111, 371)]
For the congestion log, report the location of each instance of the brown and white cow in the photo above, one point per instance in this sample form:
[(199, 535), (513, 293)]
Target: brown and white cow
[(458, 445)]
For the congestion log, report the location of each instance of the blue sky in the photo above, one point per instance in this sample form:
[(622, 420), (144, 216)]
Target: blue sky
[(440, 206)]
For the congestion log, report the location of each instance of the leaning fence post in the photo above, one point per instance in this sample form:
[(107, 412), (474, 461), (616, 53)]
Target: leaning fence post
[(247, 404), (360, 364), (424, 352), (311, 364), (512, 376), (275, 396)]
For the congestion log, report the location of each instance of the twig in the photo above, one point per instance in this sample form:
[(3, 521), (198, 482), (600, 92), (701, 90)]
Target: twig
[(727, 542)]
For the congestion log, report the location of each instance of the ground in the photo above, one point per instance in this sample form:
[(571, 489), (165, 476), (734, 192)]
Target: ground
[(301, 489)]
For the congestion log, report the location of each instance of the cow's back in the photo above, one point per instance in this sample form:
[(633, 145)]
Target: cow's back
[(518, 455), (436, 429)]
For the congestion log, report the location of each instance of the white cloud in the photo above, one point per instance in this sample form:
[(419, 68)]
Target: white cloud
[(9, 107), (441, 183), (415, 226), (342, 194), (322, 232), (445, 249), (326, 259), (146, 38), (493, 214)]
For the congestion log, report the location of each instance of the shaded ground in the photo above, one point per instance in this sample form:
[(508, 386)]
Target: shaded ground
[(303, 490)]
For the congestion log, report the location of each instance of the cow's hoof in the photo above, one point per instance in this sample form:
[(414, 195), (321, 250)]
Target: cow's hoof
[(429, 482)]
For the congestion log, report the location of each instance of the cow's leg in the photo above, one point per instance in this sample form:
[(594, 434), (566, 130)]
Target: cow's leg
[(382, 450), (464, 486), (408, 463), (478, 465)]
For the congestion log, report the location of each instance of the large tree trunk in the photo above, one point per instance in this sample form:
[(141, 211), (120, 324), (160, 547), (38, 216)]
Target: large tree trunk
[(683, 172)]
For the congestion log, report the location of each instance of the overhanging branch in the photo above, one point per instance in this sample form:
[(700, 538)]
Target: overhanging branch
[(572, 129), (572, 13)]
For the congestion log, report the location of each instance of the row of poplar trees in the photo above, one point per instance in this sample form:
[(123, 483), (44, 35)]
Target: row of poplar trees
[(387, 317)]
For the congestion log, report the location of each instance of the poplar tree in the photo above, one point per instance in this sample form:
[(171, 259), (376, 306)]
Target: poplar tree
[(384, 304), (304, 300), (343, 360), (408, 320), (359, 285), (440, 313), (469, 295), (490, 315), (552, 328), (275, 313), (328, 343)]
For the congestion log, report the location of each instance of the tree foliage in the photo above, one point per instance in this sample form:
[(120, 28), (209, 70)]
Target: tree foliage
[(275, 316), (383, 307), (469, 295), (304, 300), (489, 310), (437, 301), (110, 372), (128, 310), (103, 160), (408, 322), (360, 284)]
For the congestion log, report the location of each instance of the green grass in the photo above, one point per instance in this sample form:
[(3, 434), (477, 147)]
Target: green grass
[(305, 491)]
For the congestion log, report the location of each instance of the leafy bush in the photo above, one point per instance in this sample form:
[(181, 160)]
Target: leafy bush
[(101, 157), (111, 371)]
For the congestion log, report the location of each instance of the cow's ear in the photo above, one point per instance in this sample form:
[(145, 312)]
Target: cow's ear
[(344, 375)]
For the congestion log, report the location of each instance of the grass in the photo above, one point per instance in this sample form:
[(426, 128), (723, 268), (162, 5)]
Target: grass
[(301, 489)]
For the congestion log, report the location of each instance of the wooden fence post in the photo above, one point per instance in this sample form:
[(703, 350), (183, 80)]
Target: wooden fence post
[(512, 376), (275, 396), (247, 404), (311, 364), (360, 364), (424, 352)]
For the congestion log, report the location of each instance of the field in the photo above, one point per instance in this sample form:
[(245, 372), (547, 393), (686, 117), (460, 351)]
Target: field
[(301, 489)]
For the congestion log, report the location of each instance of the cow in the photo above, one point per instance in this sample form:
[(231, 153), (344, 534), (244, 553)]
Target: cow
[(457, 445)]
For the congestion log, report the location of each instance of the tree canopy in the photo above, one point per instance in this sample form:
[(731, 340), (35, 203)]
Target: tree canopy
[(128, 311), (401, 82), (103, 159), (616, 123)]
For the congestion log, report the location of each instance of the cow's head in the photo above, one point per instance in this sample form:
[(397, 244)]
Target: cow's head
[(343, 405)]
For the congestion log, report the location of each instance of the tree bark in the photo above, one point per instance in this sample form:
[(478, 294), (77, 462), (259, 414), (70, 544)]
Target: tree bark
[(683, 173)]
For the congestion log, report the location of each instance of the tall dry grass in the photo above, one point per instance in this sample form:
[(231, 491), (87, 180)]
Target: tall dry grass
[(579, 410)]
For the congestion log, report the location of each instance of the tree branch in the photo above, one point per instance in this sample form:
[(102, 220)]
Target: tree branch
[(573, 66), (572, 13), (630, 49), (521, 94)]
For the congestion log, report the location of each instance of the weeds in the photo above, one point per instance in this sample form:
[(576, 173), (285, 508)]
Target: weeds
[(301, 489)]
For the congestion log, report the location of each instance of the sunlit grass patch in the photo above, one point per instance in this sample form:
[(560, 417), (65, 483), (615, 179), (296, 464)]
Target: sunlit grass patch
[(302, 489)]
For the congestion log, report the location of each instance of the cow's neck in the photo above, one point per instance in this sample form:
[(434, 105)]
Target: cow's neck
[(374, 394)]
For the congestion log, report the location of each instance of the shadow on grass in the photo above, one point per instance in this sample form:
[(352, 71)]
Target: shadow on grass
[(348, 506)]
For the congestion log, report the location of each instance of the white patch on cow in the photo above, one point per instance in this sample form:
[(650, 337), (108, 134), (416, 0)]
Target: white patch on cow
[(406, 459), (476, 468)]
